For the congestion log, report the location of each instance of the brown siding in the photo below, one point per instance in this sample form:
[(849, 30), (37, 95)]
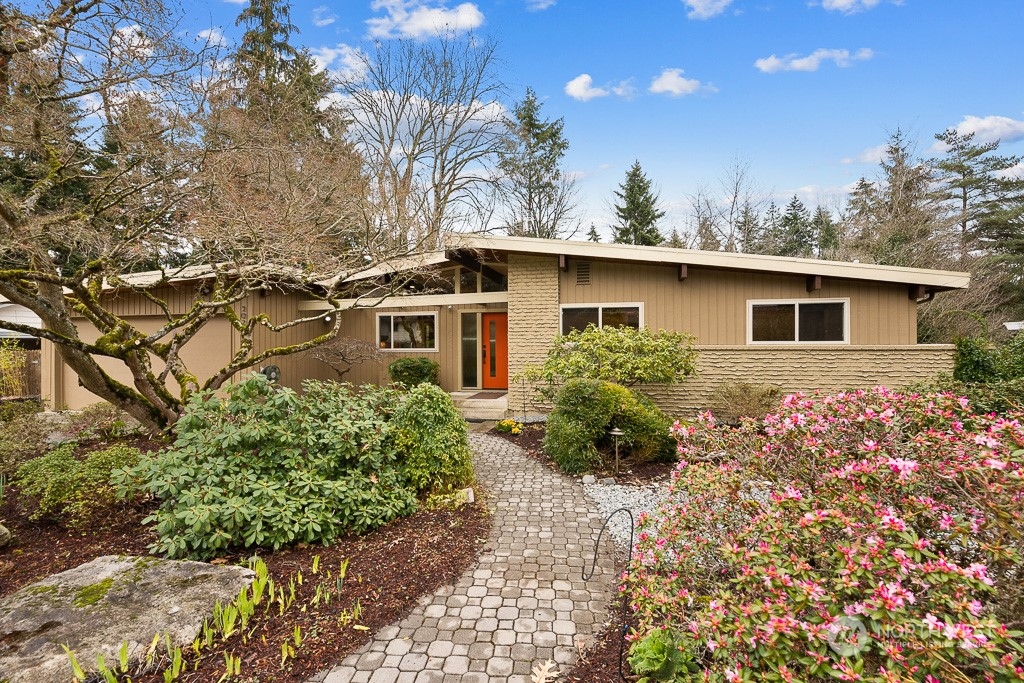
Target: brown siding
[(805, 369), (712, 304)]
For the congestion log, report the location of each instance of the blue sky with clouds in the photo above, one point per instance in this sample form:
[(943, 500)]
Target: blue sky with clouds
[(804, 93)]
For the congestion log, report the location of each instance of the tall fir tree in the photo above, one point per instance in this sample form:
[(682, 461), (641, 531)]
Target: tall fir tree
[(796, 238), (826, 233), (637, 212), (540, 199), (675, 240), (749, 230), (592, 235)]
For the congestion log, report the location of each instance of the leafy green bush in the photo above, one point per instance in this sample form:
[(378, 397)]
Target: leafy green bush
[(735, 400), (586, 409), (661, 656), (622, 355), (430, 439), (21, 437), (265, 467), (73, 490), (1000, 396), (975, 360), (413, 371), (13, 409)]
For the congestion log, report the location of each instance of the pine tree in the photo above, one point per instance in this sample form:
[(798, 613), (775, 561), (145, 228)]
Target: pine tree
[(749, 230), (973, 182), (638, 213), (826, 233), (796, 238), (539, 197), (771, 230), (592, 235), (675, 241)]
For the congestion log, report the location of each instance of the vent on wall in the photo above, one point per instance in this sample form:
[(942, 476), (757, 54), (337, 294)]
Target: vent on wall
[(583, 272)]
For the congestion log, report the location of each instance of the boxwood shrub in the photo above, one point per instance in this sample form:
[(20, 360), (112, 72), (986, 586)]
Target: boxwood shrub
[(413, 371)]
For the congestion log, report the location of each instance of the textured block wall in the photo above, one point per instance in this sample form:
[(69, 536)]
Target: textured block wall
[(803, 369), (532, 316)]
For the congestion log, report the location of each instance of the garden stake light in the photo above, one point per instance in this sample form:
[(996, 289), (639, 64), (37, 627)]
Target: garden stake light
[(616, 433)]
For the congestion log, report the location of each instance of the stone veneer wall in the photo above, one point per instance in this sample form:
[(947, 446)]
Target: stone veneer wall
[(532, 317), (806, 369)]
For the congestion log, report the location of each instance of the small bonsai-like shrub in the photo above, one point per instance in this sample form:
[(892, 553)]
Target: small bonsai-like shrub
[(429, 436), (412, 371), (265, 467), (70, 490), (621, 355), (100, 421), (869, 536), (585, 410), (734, 401)]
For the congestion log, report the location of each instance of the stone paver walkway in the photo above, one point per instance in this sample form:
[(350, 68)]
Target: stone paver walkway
[(525, 601)]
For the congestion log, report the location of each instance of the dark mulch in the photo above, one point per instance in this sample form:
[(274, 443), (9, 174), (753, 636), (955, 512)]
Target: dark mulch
[(388, 571), (601, 663)]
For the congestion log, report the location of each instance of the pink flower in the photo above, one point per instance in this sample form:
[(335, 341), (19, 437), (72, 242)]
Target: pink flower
[(903, 467), (932, 622)]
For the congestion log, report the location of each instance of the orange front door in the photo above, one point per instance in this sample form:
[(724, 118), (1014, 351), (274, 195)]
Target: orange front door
[(495, 350)]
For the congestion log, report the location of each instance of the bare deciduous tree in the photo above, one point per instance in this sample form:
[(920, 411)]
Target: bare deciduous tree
[(425, 116)]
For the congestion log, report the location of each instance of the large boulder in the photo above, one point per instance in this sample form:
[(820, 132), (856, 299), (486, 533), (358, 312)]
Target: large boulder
[(97, 606)]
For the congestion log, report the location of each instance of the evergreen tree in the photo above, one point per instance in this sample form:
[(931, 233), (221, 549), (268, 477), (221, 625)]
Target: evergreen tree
[(707, 240), (973, 183), (826, 233), (638, 212), (771, 230), (749, 230), (592, 235), (674, 241), (540, 198), (796, 238)]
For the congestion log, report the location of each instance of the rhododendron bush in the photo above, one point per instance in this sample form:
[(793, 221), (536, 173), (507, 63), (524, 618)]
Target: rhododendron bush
[(867, 536)]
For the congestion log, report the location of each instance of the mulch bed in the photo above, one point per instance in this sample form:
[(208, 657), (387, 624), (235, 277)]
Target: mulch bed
[(388, 570), (601, 663)]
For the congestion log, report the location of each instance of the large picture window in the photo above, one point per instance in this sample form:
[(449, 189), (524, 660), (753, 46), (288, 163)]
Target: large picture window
[(578, 317), (396, 332), (798, 322)]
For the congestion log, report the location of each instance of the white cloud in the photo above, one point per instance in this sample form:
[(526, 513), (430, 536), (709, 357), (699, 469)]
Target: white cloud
[(991, 128), (237, 2), (420, 19), (671, 82), (705, 9), (322, 16), (344, 61), (848, 6), (625, 89), (871, 155), (1015, 172), (213, 36), (582, 88), (130, 43), (539, 5), (811, 62)]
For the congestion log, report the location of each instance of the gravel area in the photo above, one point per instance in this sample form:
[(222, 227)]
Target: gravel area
[(637, 499)]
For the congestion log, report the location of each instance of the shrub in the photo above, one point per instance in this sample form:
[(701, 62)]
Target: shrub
[(72, 490), (430, 440), (21, 437), (621, 355), (734, 401), (780, 540), (1000, 397), (13, 409), (585, 410), (13, 360), (413, 371), (101, 421), (975, 360), (264, 467), (509, 426)]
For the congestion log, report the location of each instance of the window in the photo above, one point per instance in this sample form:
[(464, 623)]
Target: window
[(578, 317), (806, 322), (407, 331)]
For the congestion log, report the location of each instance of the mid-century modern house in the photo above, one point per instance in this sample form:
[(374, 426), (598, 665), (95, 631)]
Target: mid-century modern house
[(494, 304)]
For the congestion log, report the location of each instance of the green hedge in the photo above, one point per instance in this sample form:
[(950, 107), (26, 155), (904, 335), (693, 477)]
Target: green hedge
[(413, 371)]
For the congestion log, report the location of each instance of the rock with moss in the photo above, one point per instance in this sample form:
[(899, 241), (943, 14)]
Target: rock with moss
[(5, 536), (101, 604)]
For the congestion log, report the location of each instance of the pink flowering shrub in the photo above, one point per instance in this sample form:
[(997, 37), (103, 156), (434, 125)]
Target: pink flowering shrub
[(867, 536)]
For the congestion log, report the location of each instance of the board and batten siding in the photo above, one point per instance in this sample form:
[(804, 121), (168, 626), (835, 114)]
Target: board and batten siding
[(712, 304)]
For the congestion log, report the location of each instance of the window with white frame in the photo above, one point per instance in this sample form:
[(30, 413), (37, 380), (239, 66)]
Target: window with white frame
[(807, 321), (579, 316), (407, 331)]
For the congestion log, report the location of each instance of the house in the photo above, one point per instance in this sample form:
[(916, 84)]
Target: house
[(487, 306)]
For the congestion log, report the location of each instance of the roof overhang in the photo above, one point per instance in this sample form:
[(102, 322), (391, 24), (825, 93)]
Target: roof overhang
[(932, 280)]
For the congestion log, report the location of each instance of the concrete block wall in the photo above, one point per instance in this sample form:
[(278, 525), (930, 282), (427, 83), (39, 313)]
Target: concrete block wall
[(806, 369), (532, 317)]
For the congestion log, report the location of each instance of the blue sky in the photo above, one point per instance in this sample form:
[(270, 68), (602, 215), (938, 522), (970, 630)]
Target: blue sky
[(804, 93)]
